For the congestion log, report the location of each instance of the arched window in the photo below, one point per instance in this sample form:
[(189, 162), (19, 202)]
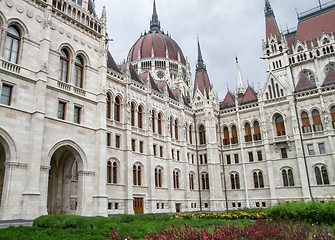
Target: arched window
[(280, 126), (153, 121), (257, 132), (191, 180), (258, 179), (332, 111), (108, 106), (306, 127), (137, 175), (288, 179), (235, 181), (63, 66), (321, 177), (12, 45), (79, 72), (226, 140), (140, 117), (190, 135), (114, 177), (317, 125), (109, 172), (132, 114), (171, 126), (234, 139), (176, 179), (159, 120), (204, 181), (202, 135), (158, 177), (117, 106), (176, 129), (247, 136)]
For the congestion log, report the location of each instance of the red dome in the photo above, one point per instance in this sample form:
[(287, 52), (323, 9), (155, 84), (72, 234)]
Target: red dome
[(159, 43)]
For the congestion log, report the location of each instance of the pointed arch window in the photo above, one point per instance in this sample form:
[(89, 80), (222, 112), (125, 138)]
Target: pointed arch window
[(317, 125), (153, 121), (190, 135), (235, 181), (12, 45), (137, 175), (132, 114), (117, 108), (257, 132), (140, 117), (321, 176), (205, 181), (159, 121), (280, 126), (64, 66), (158, 177), (306, 127), (234, 139), (258, 179), (226, 140), (79, 72), (247, 136), (332, 111), (111, 172), (176, 135), (176, 179), (191, 180), (288, 180), (202, 135), (108, 106)]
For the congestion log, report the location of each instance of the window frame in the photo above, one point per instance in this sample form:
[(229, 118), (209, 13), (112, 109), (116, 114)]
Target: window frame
[(13, 38), (8, 98), (61, 111), (202, 135), (64, 69), (79, 66), (117, 109), (77, 116)]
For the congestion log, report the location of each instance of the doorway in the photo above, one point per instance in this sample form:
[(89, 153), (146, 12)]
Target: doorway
[(138, 205)]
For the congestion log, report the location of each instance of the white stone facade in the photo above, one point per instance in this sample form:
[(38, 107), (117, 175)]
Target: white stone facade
[(60, 154)]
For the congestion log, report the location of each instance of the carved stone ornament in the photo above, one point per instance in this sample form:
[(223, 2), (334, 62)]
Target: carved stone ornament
[(96, 48), (16, 165), (9, 3), (38, 18), (86, 173), (89, 45), (83, 41), (19, 8), (45, 168), (76, 38), (61, 30), (30, 14), (68, 34)]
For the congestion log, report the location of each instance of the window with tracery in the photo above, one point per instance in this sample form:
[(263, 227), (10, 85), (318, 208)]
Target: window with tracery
[(12, 45), (288, 179), (258, 179), (137, 172), (204, 181), (176, 179), (321, 175), (234, 181), (158, 177)]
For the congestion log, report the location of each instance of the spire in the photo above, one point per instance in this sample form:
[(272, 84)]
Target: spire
[(200, 63), (154, 22), (240, 87), (268, 9)]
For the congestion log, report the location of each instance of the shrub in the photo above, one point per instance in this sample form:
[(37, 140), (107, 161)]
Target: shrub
[(123, 218), (49, 221), (77, 222)]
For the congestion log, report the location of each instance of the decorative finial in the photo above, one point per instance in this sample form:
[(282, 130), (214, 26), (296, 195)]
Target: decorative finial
[(154, 22), (200, 63), (268, 9)]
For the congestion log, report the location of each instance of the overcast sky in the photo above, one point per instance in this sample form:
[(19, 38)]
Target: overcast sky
[(226, 28)]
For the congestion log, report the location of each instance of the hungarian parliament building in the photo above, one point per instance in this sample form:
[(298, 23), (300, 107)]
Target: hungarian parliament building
[(82, 135)]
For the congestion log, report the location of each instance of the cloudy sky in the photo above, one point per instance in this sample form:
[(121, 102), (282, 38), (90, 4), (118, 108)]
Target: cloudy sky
[(226, 28)]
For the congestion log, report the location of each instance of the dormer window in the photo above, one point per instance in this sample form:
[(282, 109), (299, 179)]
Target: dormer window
[(326, 40), (300, 49)]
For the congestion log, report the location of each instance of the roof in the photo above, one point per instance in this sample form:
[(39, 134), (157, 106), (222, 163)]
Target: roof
[(133, 74), (330, 77), (304, 84), (228, 102), (202, 83), (91, 7), (111, 63), (271, 27), (249, 96)]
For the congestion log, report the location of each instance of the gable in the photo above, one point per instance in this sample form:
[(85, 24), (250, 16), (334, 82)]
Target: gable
[(304, 84), (273, 88), (330, 77)]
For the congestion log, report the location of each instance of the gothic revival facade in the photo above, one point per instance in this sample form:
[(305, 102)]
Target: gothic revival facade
[(81, 135)]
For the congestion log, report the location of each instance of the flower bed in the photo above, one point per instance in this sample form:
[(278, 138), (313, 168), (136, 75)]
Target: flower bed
[(227, 215)]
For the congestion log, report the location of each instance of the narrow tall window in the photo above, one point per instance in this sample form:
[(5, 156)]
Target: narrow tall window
[(153, 121), (117, 141), (236, 158), (257, 132), (310, 150), (191, 180), (290, 177), (76, 115), (159, 121), (226, 140), (78, 72), (234, 139), (12, 45), (202, 135), (176, 135), (280, 126), (258, 180), (61, 110), (114, 177), (283, 152), (259, 155), (321, 176), (247, 136), (190, 135), (235, 181), (117, 113), (332, 111), (108, 139), (140, 117), (141, 147), (137, 175), (251, 156), (317, 125), (158, 177), (6, 94), (176, 179), (63, 66), (132, 116), (322, 148), (108, 106), (109, 172), (306, 127), (205, 181), (171, 126)]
